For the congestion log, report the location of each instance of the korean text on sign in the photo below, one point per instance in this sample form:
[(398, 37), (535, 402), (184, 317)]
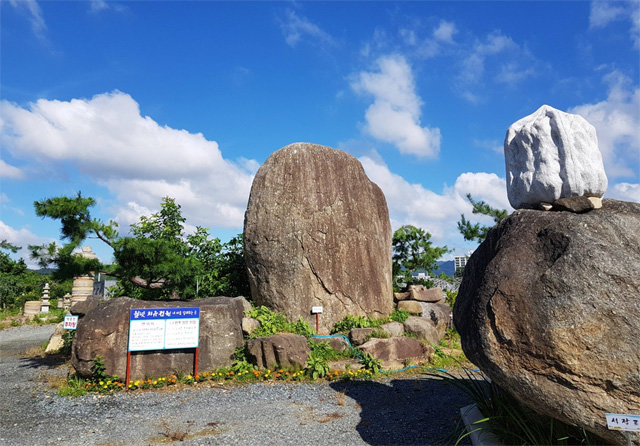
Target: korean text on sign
[(163, 328), (623, 422)]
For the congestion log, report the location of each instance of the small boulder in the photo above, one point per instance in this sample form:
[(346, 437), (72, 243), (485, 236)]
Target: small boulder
[(551, 155), (249, 325), (395, 353), (577, 205), (393, 328), (422, 328), (338, 343), (424, 294), (56, 341), (402, 296), (359, 335), (439, 314), (246, 305), (412, 306), (279, 350)]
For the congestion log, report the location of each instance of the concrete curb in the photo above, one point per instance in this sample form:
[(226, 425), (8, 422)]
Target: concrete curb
[(482, 435)]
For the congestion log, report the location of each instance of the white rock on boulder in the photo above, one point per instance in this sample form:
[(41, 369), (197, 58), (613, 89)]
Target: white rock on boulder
[(550, 155)]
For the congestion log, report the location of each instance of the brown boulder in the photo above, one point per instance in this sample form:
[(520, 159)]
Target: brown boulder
[(422, 328), (424, 294), (317, 233), (104, 331), (279, 350), (402, 296), (412, 306), (338, 343), (395, 353), (393, 328), (359, 335), (548, 309), (439, 314)]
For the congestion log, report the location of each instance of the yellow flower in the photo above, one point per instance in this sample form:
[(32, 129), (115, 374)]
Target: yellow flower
[(101, 383), (108, 382), (137, 383), (155, 382)]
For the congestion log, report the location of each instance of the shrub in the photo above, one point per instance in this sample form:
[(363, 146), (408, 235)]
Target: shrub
[(272, 322), (316, 366), (399, 315)]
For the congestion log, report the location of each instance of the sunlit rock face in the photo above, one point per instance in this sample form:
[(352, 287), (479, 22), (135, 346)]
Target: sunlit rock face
[(317, 233), (551, 155)]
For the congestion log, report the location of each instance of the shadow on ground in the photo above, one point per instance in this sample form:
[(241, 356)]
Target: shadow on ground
[(48, 361), (407, 411)]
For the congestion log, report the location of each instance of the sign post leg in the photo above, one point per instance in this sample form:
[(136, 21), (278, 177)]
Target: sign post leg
[(317, 323), (195, 363), (126, 383)]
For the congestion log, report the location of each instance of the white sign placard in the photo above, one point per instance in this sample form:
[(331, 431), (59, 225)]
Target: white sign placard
[(164, 328), (70, 322), (623, 422), (316, 310)]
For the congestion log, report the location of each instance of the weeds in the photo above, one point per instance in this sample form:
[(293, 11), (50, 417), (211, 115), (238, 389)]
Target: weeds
[(510, 421)]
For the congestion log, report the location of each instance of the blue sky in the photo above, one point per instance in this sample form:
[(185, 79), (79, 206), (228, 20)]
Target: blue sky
[(132, 101)]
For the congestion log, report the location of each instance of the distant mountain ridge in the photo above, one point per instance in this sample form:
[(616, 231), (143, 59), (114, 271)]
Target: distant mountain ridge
[(448, 267)]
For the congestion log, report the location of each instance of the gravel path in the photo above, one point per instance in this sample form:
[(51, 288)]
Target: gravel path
[(398, 411)]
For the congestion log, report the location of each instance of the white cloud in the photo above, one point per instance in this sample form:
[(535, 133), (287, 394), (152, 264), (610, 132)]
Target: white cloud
[(617, 123), (605, 12), (137, 159), (436, 213), (445, 31), (520, 64), (296, 27), (9, 171), (36, 19), (394, 116), (22, 237), (624, 191), (494, 145)]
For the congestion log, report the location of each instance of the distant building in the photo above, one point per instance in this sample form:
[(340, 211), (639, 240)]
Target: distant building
[(461, 261)]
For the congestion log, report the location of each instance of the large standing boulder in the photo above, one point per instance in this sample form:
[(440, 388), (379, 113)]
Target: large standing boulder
[(317, 233), (551, 155), (104, 331), (549, 309)]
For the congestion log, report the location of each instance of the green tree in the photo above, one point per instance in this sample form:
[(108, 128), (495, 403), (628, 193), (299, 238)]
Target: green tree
[(413, 250), (159, 260), (17, 283), (477, 231)]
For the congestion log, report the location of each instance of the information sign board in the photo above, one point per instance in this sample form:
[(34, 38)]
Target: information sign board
[(164, 328), (70, 322), (623, 422)]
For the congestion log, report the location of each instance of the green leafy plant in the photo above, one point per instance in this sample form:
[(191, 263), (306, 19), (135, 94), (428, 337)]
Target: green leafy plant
[(349, 322), (241, 363), (272, 322), (316, 366), (98, 372), (399, 315), (370, 363)]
